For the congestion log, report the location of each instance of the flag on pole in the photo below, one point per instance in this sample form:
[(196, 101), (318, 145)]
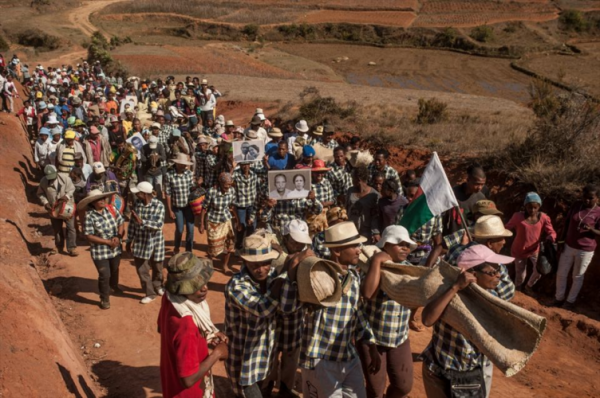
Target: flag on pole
[(434, 197)]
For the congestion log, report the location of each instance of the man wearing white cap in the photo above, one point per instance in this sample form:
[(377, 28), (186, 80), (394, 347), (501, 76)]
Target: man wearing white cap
[(452, 362), (102, 179), (328, 357), (146, 236)]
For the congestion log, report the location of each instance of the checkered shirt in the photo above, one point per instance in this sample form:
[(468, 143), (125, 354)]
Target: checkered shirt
[(163, 139), (454, 239), (217, 204), (260, 169), (318, 246), (286, 210), (178, 187), (246, 188), (387, 318), (330, 332), (105, 226), (250, 327), (340, 178), (290, 318), (147, 238), (389, 174), (424, 236), (449, 349), (331, 145), (323, 191)]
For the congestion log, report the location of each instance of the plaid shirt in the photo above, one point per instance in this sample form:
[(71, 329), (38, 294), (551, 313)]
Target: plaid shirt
[(323, 191), (286, 210), (329, 332), (148, 239), (318, 246), (424, 236), (331, 145), (178, 187), (163, 139), (246, 188), (105, 226), (217, 204), (449, 349), (389, 174), (340, 178), (290, 319), (250, 327), (388, 319)]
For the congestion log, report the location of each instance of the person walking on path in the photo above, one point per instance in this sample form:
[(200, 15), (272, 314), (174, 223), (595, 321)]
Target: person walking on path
[(578, 241), (146, 236), (104, 228), (530, 226), (179, 183)]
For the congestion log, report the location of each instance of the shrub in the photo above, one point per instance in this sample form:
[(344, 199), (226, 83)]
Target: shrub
[(573, 20), (3, 44), (431, 111), (38, 39), (315, 108), (483, 34), (99, 50), (251, 31)]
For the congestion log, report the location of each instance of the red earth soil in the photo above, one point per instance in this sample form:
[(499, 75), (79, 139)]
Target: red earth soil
[(121, 345), (392, 18)]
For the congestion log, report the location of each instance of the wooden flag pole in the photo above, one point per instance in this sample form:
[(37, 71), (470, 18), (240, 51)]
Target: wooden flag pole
[(464, 222)]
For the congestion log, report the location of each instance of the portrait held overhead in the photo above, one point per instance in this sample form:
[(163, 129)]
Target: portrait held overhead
[(287, 199)]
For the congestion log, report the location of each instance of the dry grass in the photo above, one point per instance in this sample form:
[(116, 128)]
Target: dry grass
[(195, 8)]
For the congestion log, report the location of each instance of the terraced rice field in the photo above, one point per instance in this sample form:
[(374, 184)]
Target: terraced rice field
[(390, 18)]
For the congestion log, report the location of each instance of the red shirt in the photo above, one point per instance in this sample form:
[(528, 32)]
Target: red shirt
[(578, 238), (182, 349), (528, 236)]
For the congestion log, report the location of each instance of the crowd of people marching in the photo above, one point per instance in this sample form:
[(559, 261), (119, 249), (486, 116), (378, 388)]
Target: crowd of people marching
[(120, 157)]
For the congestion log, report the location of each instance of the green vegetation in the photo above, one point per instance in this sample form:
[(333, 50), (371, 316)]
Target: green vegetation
[(37, 39), (483, 34), (315, 108), (117, 41), (431, 111), (99, 50), (4, 46), (574, 20), (251, 31)]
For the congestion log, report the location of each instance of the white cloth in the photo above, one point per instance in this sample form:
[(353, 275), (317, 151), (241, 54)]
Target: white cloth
[(579, 260)]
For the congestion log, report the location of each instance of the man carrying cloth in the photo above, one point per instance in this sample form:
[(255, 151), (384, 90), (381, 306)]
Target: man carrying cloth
[(328, 358), (452, 362)]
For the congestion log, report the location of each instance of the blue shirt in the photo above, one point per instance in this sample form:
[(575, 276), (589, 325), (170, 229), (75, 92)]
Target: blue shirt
[(276, 162), (271, 148)]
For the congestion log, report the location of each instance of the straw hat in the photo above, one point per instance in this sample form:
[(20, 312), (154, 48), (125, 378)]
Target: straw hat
[(182, 158), (93, 196), (252, 135), (275, 132), (257, 248), (319, 282), (318, 131), (490, 227), (188, 273), (343, 234)]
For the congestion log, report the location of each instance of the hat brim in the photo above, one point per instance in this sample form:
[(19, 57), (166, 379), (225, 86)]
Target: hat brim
[(412, 243), (301, 238), (360, 239), (89, 199), (499, 259), (490, 212), (302, 130), (274, 135), (272, 255), (320, 169), (185, 162), (505, 234)]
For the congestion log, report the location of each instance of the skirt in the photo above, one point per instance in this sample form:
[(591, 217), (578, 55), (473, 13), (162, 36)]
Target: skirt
[(221, 238)]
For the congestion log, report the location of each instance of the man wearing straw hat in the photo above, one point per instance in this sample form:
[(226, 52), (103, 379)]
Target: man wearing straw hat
[(252, 299), (328, 358), (104, 228), (451, 362), (179, 184), (186, 330), (145, 233)]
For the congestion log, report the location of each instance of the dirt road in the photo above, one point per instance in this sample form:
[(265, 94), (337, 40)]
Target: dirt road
[(80, 17)]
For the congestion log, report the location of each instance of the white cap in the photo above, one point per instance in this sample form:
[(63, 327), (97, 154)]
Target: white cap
[(144, 187), (98, 168), (155, 125), (396, 234), (297, 230), (153, 142), (261, 116)]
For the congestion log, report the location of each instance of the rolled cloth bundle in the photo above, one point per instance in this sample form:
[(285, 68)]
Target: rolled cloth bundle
[(318, 282), (507, 334)]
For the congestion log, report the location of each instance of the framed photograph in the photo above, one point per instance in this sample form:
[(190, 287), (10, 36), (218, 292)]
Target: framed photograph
[(248, 151), (289, 184), (138, 141), (131, 100)]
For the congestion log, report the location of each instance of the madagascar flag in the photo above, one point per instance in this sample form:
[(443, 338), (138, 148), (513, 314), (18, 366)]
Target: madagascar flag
[(434, 197)]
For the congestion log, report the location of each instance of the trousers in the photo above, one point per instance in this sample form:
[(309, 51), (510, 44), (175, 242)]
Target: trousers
[(521, 271), (396, 364), (437, 387), (184, 216), (330, 379), (59, 233), (247, 229), (150, 284), (108, 275), (579, 260)]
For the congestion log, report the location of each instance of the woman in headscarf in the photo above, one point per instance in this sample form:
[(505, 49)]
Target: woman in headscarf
[(186, 330), (216, 217)]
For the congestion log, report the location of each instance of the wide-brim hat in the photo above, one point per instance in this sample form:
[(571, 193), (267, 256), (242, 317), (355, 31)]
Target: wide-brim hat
[(93, 196), (318, 282), (275, 132), (319, 166), (396, 234), (188, 273), (490, 227), (343, 234), (302, 126), (182, 159), (486, 207), (257, 248), (318, 131)]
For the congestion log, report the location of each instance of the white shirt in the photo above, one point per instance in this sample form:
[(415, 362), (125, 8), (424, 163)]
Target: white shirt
[(41, 152)]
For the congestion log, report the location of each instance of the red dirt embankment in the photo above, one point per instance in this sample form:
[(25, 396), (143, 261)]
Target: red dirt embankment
[(37, 356)]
